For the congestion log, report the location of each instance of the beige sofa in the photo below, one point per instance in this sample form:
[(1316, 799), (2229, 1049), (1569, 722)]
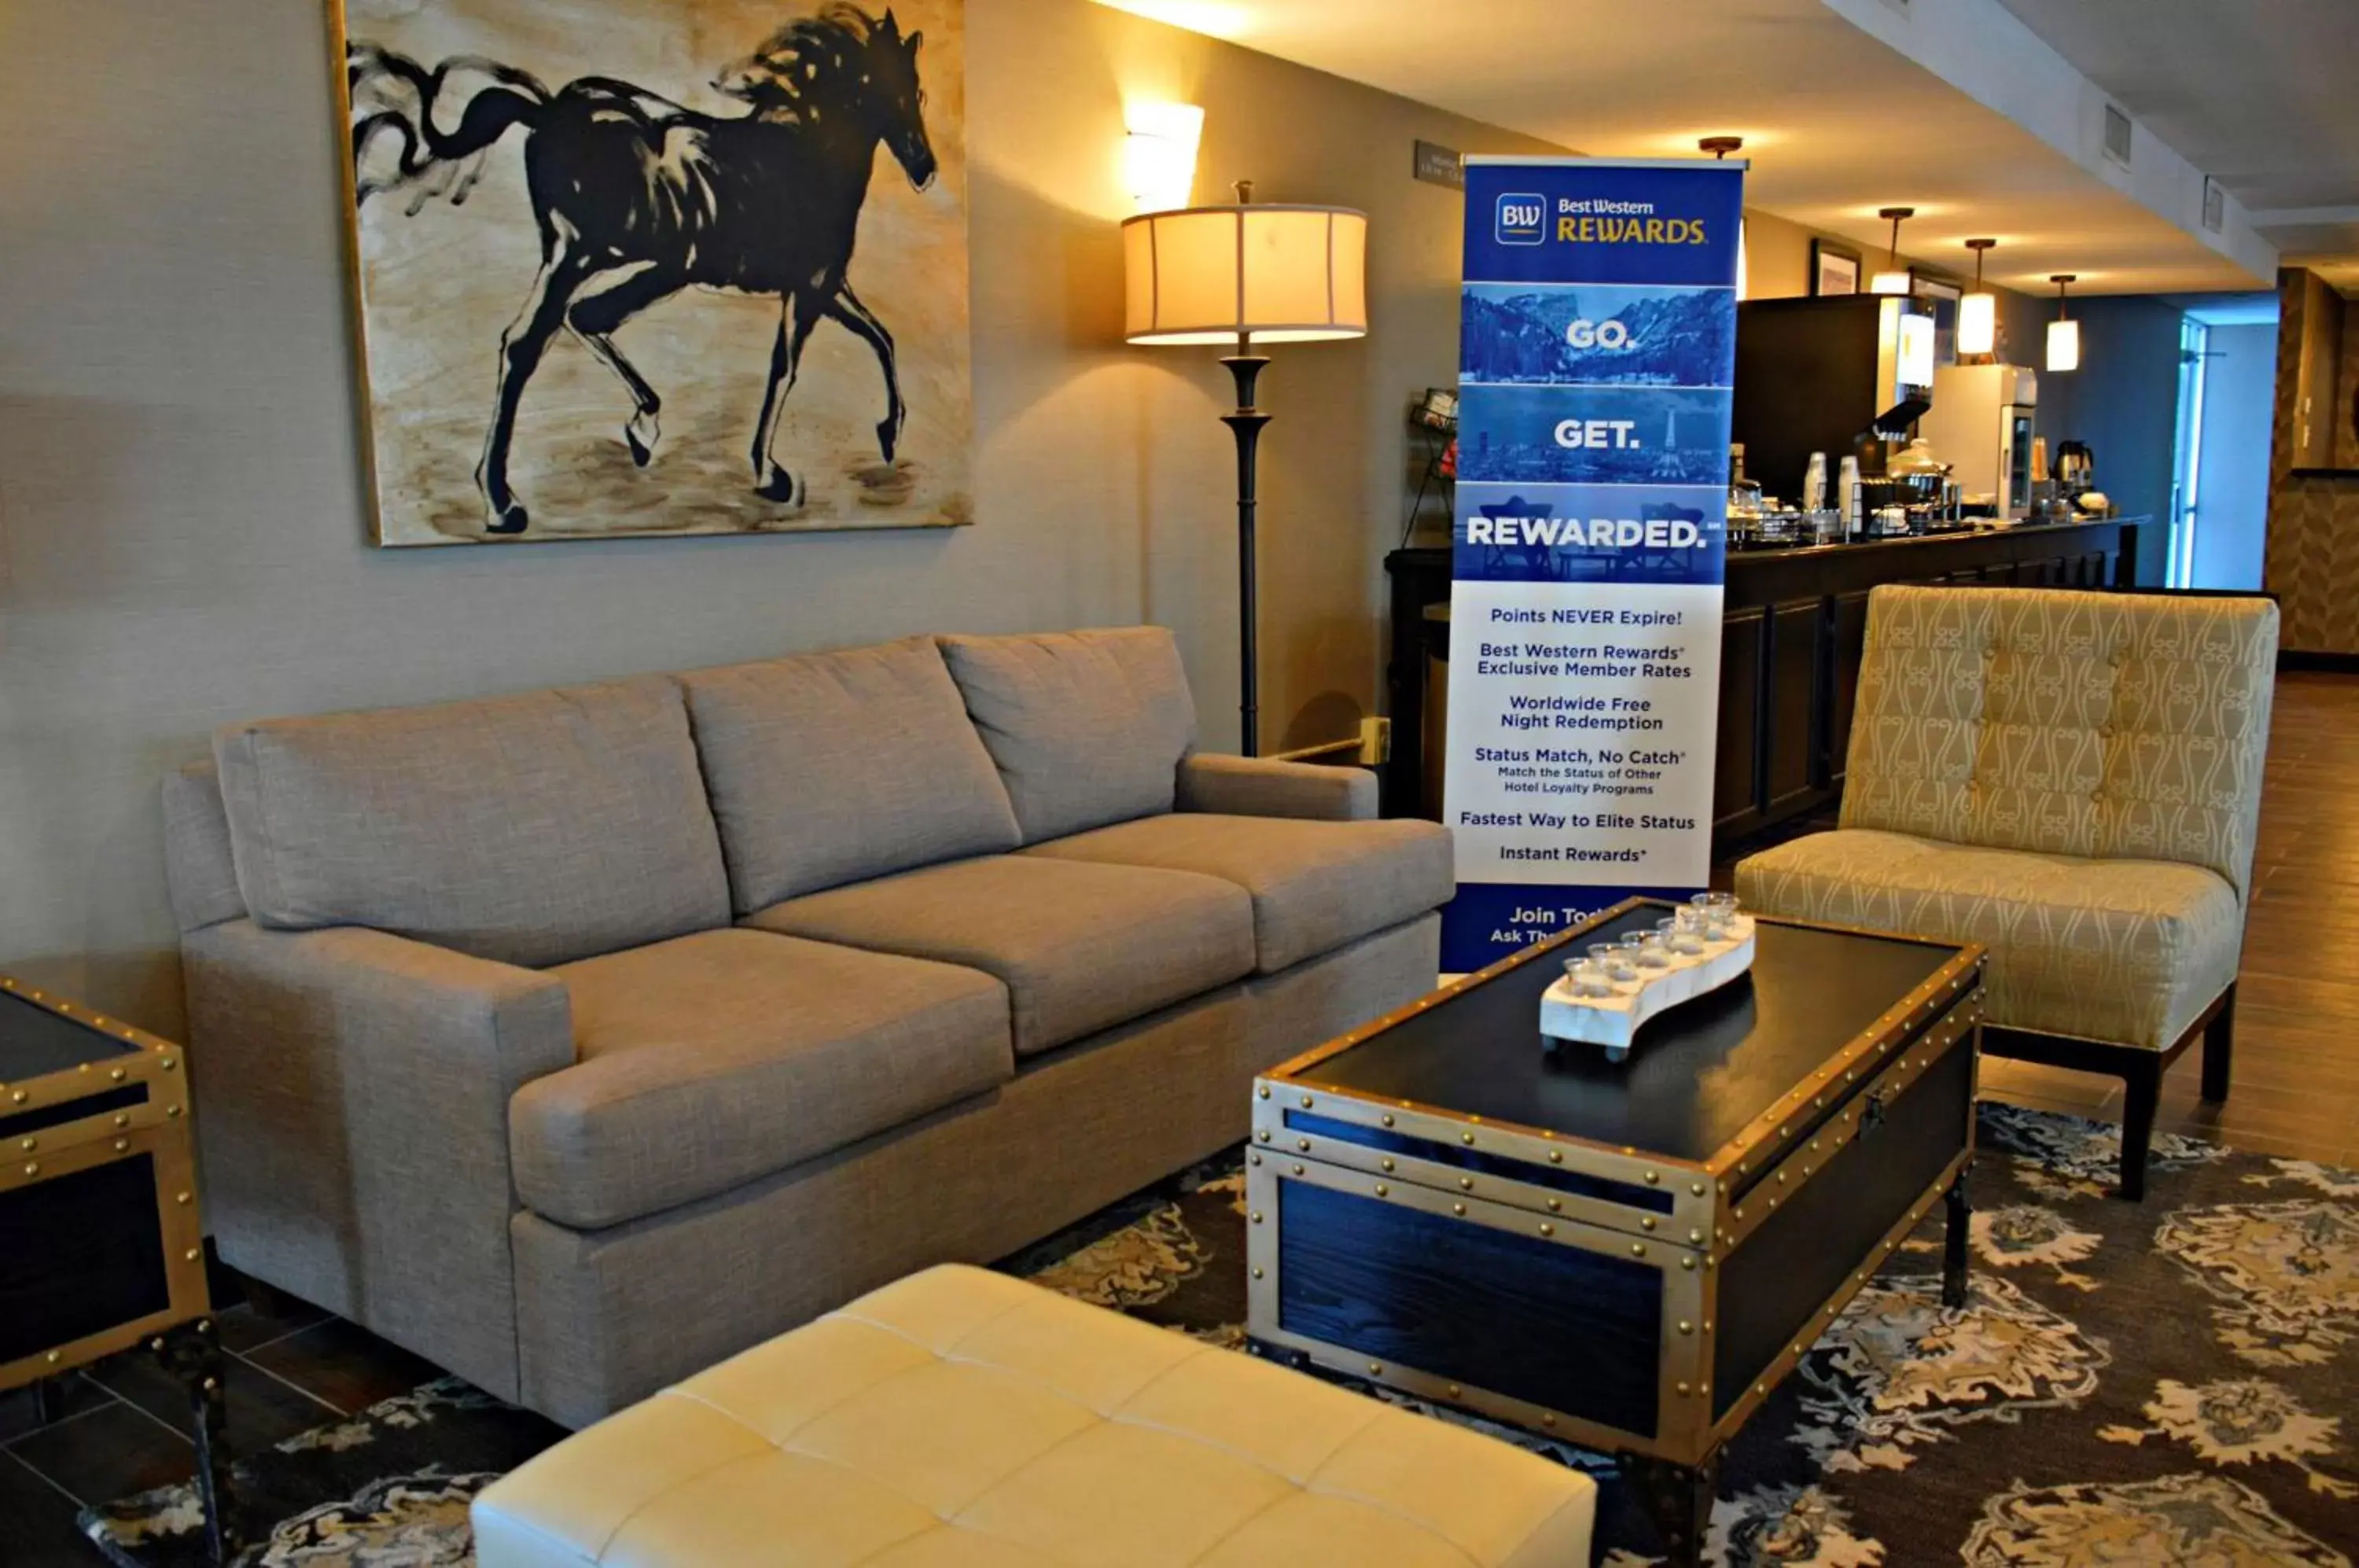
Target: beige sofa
[(2073, 781), (580, 1039)]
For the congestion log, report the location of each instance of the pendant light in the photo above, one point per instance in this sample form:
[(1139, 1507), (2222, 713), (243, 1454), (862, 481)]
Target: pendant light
[(2063, 333), (1893, 279), (1978, 311), (1720, 147)]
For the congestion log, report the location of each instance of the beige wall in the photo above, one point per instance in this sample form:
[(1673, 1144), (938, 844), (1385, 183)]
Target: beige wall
[(181, 525)]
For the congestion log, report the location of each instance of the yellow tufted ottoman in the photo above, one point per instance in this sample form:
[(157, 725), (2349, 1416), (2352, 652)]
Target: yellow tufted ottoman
[(960, 1419)]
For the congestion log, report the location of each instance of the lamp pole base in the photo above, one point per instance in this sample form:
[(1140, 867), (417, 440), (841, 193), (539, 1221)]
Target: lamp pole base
[(1246, 422)]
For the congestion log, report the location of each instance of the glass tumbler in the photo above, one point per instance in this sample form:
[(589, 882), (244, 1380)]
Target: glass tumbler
[(1588, 978)]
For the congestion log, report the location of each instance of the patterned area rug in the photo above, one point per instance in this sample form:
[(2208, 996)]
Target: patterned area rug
[(2176, 1382)]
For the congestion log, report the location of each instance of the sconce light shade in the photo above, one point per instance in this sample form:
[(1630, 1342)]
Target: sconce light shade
[(1978, 323), (1158, 157), (2063, 345), (1265, 272)]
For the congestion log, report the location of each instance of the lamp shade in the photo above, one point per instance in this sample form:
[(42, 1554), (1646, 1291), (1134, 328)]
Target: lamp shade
[(2063, 345), (1978, 323), (1266, 272)]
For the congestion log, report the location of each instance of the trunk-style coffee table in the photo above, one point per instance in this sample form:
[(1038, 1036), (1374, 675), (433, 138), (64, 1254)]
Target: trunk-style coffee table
[(1629, 1256)]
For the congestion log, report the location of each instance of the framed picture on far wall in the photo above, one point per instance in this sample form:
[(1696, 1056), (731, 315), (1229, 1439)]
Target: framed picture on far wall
[(1834, 269)]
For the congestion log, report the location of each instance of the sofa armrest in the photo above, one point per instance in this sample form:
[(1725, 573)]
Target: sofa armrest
[(1260, 787), (353, 1089)]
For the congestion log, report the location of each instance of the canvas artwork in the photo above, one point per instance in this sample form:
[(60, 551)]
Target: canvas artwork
[(659, 266)]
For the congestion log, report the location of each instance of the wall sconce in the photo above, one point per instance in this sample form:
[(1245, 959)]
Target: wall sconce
[(1893, 279), (1978, 311), (2063, 333), (1158, 157)]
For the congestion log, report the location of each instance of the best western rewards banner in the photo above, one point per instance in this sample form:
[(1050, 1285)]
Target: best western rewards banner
[(1597, 349)]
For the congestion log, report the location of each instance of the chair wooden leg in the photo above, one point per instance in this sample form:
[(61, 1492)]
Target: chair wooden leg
[(2144, 1081), (2219, 1046)]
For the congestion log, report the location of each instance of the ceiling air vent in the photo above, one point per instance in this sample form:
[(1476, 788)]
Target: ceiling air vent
[(2117, 135)]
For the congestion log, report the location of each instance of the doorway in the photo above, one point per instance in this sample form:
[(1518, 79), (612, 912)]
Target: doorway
[(2227, 389)]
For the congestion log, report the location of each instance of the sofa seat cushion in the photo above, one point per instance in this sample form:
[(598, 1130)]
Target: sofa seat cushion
[(1079, 947), (1315, 885), (527, 829), (707, 1060), (828, 767), (2127, 951), (959, 1418)]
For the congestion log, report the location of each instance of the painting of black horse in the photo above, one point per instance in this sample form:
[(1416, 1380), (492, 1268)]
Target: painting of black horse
[(596, 308)]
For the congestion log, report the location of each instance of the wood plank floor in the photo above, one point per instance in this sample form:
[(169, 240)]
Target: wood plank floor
[(2296, 1089)]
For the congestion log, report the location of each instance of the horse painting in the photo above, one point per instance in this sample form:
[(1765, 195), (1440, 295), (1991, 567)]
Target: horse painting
[(635, 199)]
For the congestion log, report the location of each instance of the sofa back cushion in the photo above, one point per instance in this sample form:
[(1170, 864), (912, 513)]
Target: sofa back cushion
[(1086, 729), (2112, 725), (530, 829), (199, 872), (834, 768)]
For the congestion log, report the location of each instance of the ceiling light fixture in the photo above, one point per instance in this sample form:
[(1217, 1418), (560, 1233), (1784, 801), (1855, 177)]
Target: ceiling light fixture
[(1720, 147), (1978, 311), (2063, 333), (1893, 279)]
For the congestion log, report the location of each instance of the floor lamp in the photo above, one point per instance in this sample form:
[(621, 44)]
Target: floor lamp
[(1245, 275)]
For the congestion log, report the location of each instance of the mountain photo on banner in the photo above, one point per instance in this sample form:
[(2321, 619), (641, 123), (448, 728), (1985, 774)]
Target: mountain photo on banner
[(1596, 334)]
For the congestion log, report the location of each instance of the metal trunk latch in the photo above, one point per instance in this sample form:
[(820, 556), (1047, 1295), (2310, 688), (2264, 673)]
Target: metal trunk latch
[(1871, 1117)]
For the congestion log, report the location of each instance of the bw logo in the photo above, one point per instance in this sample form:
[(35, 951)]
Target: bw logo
[(1522, 218)]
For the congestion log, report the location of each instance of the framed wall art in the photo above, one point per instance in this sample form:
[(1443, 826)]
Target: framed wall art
[(631, 267), (1834, 270)]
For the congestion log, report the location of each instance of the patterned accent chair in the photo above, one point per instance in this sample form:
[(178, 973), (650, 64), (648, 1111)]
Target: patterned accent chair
[(2072, 780)]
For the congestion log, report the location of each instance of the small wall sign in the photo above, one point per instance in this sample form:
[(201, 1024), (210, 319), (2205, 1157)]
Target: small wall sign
[(1439, 165)]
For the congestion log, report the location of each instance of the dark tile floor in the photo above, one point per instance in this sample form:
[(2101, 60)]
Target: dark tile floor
[(121, 1427)]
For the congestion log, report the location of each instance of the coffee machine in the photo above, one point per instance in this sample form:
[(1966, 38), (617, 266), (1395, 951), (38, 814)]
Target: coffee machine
[(2076, 468)]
